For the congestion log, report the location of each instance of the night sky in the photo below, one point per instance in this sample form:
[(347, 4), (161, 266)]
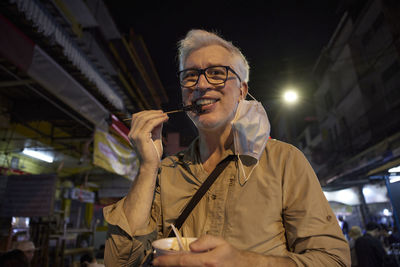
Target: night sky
[(281, 39)]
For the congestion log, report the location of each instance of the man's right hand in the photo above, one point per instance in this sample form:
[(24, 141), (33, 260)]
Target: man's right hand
[(146, 128)]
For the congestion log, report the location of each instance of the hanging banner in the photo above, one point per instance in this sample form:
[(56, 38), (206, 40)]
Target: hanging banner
[(114, 156)]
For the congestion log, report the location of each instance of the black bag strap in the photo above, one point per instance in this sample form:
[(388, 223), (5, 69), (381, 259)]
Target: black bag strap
[(201, 191)]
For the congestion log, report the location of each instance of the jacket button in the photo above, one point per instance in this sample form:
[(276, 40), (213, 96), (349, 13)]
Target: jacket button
[(213, 197)]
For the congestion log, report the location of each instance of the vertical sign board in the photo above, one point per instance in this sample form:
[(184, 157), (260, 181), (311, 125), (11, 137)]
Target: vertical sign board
[(28, 195)]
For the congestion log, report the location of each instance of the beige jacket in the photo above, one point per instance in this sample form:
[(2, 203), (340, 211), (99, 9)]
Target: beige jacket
[(280, 210)]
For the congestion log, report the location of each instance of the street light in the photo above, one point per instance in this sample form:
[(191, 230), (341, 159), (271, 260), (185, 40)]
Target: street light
[(290, 96)]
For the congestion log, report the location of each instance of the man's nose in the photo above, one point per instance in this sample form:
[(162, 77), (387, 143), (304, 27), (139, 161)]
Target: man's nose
[(202, 82)]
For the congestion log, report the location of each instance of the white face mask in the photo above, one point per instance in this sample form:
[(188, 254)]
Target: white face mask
[(251, 130)]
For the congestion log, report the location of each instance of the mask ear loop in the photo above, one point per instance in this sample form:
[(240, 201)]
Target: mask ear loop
[(239, 160), (251, 96), (244, 174)]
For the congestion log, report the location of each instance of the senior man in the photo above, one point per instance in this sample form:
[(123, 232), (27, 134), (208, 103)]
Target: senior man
[(265, 208)]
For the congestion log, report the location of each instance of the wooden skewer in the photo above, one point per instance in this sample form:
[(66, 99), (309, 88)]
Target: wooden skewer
[(168, 112), (174, 111), (186, 108)]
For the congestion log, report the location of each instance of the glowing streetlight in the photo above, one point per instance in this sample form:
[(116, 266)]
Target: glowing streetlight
[(290, 96)]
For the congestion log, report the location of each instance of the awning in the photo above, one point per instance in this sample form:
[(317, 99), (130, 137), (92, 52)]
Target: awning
[(30, 58), (47, 25)]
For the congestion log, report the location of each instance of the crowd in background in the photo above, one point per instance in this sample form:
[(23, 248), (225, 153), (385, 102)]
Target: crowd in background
[(375, 246), (23, 252)]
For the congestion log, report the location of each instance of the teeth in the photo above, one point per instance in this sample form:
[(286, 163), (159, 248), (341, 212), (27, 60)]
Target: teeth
[(205, 101)]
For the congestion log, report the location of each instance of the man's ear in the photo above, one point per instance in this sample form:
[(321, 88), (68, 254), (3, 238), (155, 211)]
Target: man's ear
[(243, 90)]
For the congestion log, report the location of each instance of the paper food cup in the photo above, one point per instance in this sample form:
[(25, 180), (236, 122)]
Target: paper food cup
[(167, 246)]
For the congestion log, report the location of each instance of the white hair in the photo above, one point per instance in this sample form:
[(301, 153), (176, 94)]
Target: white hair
[(196, 39)]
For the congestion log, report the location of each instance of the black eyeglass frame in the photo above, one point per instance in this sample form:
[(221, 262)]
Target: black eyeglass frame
[(203, 71)]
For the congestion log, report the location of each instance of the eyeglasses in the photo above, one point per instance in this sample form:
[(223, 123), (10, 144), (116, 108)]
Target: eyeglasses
[(214, 75)]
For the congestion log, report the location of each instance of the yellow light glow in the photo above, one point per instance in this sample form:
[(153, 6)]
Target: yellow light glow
[(290, 96)]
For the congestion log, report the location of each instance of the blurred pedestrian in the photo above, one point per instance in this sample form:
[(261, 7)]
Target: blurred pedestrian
[(354, 233), (27, 247), (369, 249), (88, 260), (394, 237), (344, 225), (14, 258), (100, 252), (384, 235)]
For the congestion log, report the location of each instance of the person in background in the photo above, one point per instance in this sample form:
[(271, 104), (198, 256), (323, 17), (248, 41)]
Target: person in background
[(384, 235), (266, 208), (354, 234), (369, 249), (14, 258), (344, 225), (394, 237), (88, 260), (27, 247), (100, 252)]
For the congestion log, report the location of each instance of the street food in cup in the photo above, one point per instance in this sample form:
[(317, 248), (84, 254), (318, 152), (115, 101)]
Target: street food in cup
[(170, 245)]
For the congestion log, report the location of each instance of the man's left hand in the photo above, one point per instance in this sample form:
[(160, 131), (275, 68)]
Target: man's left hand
[(206, 251)]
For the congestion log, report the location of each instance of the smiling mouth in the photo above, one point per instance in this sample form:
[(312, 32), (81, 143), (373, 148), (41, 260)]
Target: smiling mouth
[(205, 101)]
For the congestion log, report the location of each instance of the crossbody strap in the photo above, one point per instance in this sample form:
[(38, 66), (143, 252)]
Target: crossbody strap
[(201, 191)]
